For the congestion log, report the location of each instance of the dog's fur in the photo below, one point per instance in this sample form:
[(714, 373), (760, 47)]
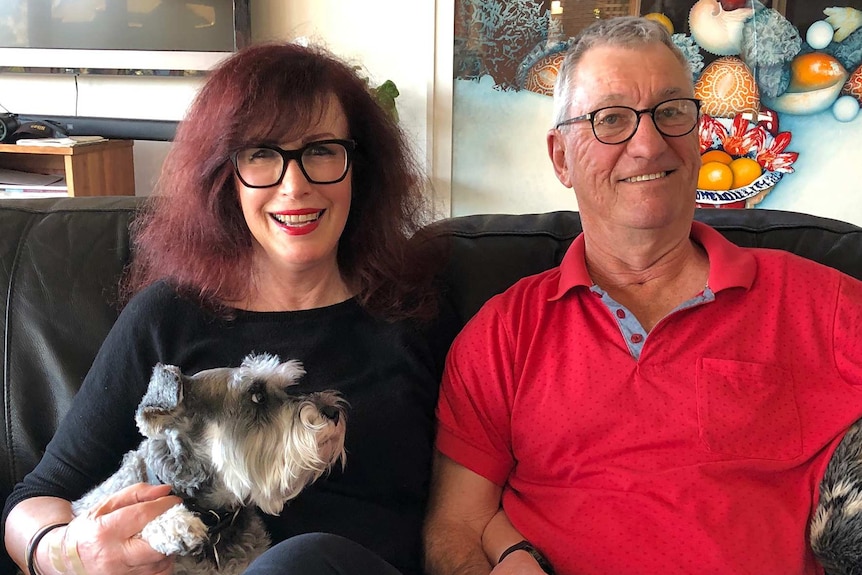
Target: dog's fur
[(836, 528), (226, 440)]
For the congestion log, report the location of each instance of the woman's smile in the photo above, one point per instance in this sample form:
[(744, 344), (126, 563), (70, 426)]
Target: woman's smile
[(299, 222)]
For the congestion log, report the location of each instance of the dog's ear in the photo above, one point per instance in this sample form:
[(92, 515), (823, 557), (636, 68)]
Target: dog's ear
[(290, 371), (162, 400), (268, 366)]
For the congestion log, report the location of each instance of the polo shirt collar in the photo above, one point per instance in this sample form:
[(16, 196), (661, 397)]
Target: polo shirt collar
[(729, 265)]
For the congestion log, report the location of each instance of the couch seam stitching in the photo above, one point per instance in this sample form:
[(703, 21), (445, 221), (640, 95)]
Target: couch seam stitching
[(7, 387)]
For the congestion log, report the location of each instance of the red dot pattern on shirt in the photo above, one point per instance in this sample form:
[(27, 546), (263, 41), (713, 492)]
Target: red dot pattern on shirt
[(618, 466)]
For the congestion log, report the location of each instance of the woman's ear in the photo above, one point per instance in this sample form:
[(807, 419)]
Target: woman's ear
[(559, 157)]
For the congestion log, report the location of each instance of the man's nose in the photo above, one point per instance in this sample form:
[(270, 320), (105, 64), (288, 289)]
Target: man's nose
[(647, 133)]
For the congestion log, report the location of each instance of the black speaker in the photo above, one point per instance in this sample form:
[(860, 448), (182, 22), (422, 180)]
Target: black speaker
[(8, 124), (38, 129), (118, 128), (14, 128)]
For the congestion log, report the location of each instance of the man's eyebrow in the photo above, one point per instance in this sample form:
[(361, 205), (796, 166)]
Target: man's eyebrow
[(614, 99)]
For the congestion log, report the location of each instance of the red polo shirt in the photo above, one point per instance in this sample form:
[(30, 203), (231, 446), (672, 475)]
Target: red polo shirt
[(702, 455)]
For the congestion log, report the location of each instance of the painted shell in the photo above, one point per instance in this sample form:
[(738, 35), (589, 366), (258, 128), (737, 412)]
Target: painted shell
[(541, 76), (853, 85), (727, 87), (816, 81), (715, 29), (814, 71)]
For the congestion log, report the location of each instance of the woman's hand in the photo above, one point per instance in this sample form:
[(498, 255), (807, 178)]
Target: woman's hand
[(107, 538)]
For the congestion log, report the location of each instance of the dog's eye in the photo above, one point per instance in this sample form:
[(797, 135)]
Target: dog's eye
[(257, 390)]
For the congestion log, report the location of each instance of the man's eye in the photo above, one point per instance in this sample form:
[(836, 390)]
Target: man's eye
[(611, 119)]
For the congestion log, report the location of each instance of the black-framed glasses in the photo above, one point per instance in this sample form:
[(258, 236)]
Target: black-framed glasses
[(617, 124), (321, 162)]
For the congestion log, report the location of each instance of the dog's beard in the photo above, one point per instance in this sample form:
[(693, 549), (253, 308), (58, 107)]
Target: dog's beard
[(269, 465)]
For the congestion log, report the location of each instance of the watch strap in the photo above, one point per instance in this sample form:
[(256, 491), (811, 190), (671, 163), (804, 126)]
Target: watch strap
[(528, 547)]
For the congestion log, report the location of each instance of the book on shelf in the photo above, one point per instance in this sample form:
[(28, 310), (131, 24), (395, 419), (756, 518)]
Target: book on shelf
[(17, 178), (17, 184), (61, 142), (30, 194)]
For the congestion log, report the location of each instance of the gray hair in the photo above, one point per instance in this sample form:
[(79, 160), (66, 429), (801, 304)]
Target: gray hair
[(623, 31)]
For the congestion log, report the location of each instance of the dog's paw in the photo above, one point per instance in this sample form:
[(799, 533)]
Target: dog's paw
[(177, 531)]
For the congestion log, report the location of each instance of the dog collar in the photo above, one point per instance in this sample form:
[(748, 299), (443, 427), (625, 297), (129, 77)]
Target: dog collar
[(216, 520)]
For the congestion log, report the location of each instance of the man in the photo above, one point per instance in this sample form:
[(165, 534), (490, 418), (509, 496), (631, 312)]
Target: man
[(664, 401)]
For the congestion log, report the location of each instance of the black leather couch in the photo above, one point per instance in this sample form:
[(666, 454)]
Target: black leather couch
[(60, 260)]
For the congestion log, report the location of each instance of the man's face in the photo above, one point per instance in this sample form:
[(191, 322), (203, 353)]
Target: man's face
[(649, 181)]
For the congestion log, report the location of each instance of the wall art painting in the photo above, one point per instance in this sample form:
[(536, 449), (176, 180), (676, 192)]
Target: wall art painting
[(780, 84)]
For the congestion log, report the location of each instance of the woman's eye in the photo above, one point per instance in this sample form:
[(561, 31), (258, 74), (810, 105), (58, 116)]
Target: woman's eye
[(253, 155), (319, 150), (263, 154)]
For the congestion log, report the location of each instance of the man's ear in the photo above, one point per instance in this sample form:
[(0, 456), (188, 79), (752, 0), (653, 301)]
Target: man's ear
[(557, 152), (162, 402)]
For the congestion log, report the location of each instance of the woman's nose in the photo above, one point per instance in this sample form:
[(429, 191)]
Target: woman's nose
[(294, 181)]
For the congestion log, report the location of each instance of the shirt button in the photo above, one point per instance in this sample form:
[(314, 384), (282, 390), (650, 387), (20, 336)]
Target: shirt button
[(637, 338), (597, 294), (621, 313)]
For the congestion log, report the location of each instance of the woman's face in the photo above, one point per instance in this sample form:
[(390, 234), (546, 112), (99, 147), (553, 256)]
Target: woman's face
[(296, 225)]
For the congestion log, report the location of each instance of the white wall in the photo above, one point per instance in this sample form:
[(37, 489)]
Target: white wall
[(147, 98), (390, 38), (393, 40)]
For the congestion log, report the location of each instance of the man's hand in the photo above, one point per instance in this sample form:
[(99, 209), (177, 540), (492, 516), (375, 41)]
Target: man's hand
[(518, 563)]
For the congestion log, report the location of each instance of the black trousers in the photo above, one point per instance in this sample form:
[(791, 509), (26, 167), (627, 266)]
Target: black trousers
[(320, 554)]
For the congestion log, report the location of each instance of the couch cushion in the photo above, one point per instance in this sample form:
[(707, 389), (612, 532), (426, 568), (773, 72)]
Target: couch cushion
[(60, 260), (59, 265), (491, 252)]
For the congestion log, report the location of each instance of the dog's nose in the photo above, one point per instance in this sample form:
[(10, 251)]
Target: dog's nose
[(330, 412)]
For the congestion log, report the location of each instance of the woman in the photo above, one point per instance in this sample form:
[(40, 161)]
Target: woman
[(280, 225)]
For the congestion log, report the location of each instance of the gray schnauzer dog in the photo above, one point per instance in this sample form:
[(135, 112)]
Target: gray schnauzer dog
[(836, 528), (227, 440)]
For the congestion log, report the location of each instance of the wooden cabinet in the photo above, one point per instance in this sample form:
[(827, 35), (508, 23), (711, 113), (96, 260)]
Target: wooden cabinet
[(104, 168)]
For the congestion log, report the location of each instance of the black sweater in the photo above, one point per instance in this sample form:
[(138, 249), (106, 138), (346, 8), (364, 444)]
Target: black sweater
[(388, 372)]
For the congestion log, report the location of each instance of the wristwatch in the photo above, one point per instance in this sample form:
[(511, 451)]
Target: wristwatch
[(528, 547)]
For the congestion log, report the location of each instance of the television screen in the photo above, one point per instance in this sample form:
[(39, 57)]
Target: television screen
[(120, 36)]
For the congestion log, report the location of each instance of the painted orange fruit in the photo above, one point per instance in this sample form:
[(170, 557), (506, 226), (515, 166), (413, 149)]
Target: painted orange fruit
[(716, 156), (745, 171), (714, 176)]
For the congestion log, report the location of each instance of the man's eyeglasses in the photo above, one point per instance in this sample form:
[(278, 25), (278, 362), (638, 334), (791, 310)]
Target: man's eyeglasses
[(618, 124), (321, 162)]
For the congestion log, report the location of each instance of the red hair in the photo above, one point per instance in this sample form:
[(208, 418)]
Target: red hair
[(193, 233)]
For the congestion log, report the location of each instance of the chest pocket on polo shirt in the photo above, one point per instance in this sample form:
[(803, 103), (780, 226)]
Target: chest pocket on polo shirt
[(747, 409)]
